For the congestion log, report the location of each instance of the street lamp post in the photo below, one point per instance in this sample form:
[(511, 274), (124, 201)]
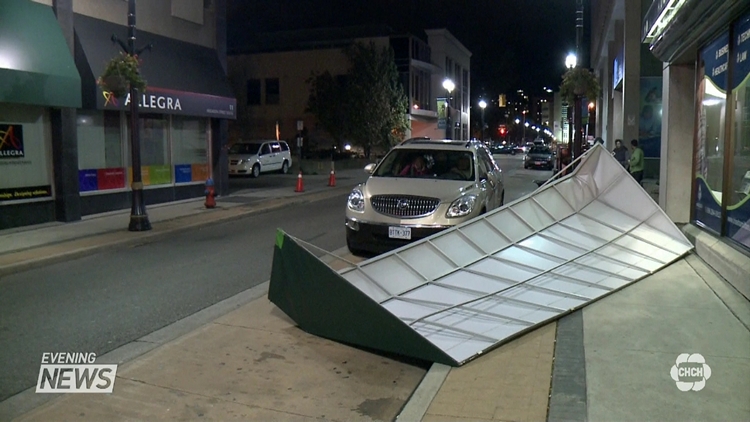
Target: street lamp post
[(482, 105), (518, 121), (525, 125), (138, 217), (448, 85)]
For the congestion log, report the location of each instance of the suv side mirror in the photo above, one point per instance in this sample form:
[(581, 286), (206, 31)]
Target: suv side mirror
[(370, 167)]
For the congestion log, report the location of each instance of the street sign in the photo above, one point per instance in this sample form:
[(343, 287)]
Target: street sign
[(300, 124), (299, 141)]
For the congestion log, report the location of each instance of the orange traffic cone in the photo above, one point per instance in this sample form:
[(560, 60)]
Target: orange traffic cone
[(332, 179), (300, 187)]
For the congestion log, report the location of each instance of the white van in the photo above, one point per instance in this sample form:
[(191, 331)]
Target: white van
[(256, 157)]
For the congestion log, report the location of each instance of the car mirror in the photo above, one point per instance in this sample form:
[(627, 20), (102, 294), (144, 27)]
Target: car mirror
[(370, 167)]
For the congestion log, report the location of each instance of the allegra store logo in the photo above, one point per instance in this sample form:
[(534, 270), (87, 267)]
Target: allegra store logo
[(11, 141), (158, 102)]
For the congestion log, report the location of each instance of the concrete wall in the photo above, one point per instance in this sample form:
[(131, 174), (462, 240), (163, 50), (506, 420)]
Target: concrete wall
[(678, 123), (184, 20)]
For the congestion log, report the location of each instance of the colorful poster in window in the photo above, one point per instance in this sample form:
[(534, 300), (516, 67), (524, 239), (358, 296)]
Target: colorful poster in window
[(87, 181), (649, 126), (160, 175), (113, 178), (200, 172), (183, 173), (101, 179)]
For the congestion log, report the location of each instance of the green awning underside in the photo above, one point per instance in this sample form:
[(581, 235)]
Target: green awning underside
[(36, 66)]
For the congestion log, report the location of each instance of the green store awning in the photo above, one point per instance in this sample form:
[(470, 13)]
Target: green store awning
[(36, 66)]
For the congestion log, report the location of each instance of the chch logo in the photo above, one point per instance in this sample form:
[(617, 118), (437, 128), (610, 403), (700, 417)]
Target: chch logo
[(690, 372), (11, 141), (110, 98)]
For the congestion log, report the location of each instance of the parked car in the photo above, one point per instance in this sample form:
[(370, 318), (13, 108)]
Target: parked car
[(420, 188), (504, 149), (256, 157), (539, 157)]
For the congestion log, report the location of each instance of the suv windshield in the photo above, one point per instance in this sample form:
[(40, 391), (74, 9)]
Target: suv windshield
[(244, 148), (540, 150), (440, 164)]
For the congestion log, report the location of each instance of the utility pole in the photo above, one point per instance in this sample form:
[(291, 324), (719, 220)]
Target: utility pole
[(138, 217)]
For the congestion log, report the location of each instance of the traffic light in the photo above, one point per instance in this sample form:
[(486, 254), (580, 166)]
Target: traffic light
[(503, 130)]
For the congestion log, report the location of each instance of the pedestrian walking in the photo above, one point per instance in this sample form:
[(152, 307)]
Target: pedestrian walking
[(636, 162), (621, 153)]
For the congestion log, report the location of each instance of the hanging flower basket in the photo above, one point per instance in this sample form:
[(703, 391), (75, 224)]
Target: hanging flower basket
[(579, 82), (120, 74)]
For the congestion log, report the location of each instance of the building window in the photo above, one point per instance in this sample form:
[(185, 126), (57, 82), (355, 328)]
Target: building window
[(272, 91), (156, 168), (100, 151), (24, 153), (190, 149), (738, 203), (709, 158), (253, 92)]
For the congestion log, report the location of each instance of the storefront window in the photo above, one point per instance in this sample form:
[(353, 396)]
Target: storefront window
[(190, 149), (100, 163), (25, 140), (156, 168), (738, 206), (711, 109)]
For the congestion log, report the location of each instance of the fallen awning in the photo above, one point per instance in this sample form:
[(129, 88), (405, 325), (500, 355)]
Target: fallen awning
[(457, 294), (182, 78), (36, 66)]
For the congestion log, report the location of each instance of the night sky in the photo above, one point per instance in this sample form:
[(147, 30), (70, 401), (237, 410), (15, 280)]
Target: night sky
[(515, 44)]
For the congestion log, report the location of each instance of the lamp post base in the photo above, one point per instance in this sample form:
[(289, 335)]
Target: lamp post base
[(139, 223), (138, 217)]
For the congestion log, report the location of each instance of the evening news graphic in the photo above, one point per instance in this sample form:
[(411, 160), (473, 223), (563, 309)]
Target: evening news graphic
[(75, 373)]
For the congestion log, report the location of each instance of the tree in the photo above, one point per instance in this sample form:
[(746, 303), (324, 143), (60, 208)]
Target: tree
[(326, 102), (369, 108)]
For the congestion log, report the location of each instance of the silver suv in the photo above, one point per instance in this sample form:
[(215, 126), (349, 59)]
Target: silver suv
[(420, 187), (256, 157)]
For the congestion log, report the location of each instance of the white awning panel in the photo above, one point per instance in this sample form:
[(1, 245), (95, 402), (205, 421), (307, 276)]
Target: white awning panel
[(469, 288)]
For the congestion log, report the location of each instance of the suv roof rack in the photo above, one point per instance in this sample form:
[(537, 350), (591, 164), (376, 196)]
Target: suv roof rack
[(413, 140)]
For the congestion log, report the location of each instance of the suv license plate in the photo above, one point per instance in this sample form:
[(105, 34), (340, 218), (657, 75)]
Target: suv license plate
[(399, 233)]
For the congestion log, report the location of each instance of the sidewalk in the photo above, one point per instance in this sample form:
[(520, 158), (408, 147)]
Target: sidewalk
[(243, 359)]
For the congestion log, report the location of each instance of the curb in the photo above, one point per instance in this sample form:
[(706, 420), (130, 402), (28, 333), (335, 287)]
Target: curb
[(420, 400), (29, 258)]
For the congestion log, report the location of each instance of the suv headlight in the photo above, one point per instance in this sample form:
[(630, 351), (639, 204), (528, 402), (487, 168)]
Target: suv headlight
[(356, 201), (240, 161), (462, 206)]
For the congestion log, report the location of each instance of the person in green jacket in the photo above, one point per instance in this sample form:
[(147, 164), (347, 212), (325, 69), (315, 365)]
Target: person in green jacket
[(636, 162)]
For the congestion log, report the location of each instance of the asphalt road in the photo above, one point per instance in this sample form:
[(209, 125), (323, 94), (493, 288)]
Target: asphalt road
[(100, 302)]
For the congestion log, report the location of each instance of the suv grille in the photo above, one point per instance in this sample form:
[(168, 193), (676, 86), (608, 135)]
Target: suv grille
[(404, 205), (233, 162)]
